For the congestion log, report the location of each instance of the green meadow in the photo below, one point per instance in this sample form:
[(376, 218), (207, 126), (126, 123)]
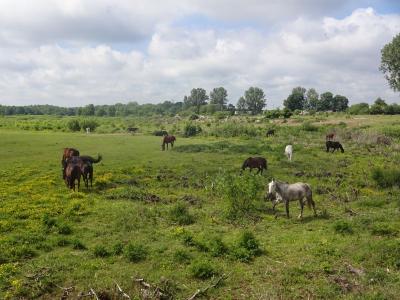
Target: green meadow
[(184, 219)]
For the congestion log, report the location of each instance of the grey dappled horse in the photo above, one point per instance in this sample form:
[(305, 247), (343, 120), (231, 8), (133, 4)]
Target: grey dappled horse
[(284, 192)]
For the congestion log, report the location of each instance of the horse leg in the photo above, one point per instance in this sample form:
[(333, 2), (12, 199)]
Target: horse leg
[(287, 208), (172, 144), (311, 201), (301, 208)]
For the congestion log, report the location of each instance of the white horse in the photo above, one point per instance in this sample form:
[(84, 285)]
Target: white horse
[(285, 192), (289, 152)]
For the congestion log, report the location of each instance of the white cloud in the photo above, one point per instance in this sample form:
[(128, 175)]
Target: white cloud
[(329, 54)]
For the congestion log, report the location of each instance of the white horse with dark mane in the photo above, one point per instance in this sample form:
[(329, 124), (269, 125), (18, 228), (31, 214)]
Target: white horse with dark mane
[(284, 192)]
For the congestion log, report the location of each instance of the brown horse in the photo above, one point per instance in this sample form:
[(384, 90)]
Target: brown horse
[(168, 139), (87, 173), (73, 172), (67, 153), (334, 146), (255, 162), (330, 136)]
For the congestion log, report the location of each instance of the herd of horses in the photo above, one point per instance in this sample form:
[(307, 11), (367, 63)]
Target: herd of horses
[(75, 166)]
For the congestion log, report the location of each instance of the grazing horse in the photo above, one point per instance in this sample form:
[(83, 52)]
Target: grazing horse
[(67, 153), (132, 129), (285, 192), (334, 146), (330, 136), (270, 132), (255, 162), (73, 172), (289, 152), (168, 139)]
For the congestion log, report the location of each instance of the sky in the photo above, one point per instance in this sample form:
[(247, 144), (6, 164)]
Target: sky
[(77, 52)]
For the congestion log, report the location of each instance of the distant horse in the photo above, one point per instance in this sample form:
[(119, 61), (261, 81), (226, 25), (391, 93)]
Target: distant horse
[(289, 152), (285, 192), (73, 172), (330, 136), (160, 133), (132, 129), (67, 153), (270, 132), (168, 139), (334, 146), (255, 162)]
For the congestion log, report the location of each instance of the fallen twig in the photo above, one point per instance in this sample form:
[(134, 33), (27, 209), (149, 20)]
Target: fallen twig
[(66, 291), (359, 272), (211, 285), (120, 291)]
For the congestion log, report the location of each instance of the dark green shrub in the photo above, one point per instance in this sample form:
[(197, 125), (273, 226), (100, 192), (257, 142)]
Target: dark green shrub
[(100, 251), (181, 256), (64, 228), (386, 177), (217, 247), (191, 130), (202, 269), (246, 248), (118, 248), (48, 221), (78, 245), (308, 126), (343, 227), (179, 213), (135, 252), (73, 125)]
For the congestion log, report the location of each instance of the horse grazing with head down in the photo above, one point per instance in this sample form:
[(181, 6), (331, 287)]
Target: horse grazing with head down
[(168, 139), (285, 192), (334, 146), (255, 162), (73, 172)]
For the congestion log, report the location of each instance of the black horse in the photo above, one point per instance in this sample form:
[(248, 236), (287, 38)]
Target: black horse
[(334, 146), (259, 163), (270, 132)]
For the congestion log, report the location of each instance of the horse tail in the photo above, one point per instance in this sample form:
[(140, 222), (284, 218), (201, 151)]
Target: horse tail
[(310, 201), (99, 158), (341, 147)]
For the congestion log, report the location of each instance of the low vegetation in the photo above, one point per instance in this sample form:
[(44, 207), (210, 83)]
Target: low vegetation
[(185, 219)]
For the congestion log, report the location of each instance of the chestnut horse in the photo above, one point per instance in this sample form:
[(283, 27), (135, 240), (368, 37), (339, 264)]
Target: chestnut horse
[(168, 139), (255, 162), (330, 136), (67, 153)]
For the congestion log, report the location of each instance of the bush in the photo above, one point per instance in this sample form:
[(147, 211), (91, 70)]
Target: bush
[(191, 130), (246, 248), (179, 214), (343, 227), (64, 229), (100, 251), (202, 269), (135, 252), (78, 245), (73, 125), (308, 126), (181, 256), (193, 117), (87, 123), (386, 177), (217, 247), (118, 249), (240, 194)]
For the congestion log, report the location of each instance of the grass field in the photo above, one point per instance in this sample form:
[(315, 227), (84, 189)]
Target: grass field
[(184, 218)]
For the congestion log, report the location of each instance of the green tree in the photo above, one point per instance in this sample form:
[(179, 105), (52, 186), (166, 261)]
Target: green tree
[(88, 110), (326, 101), (359, 109), (340, 103), (255, 100), (296, 99), (197, 98), (312, 100), (390, 62), (219, 96), (379, 107), (241, 105)]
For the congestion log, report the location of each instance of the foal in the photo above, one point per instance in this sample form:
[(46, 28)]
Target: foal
[(289, 152)]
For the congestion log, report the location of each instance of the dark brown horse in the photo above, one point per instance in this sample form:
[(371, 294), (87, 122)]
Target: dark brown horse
[(73, 172), (67, 153), (87, 173), (330, 136), (334, 146), (270, 132), (168, 139), (255, 162)]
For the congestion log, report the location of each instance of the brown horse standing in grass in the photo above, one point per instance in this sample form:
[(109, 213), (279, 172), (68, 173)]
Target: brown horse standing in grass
[(67, 153), (73, 172), (168, 139), (255, 162), (330, 136), (87, 173)]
